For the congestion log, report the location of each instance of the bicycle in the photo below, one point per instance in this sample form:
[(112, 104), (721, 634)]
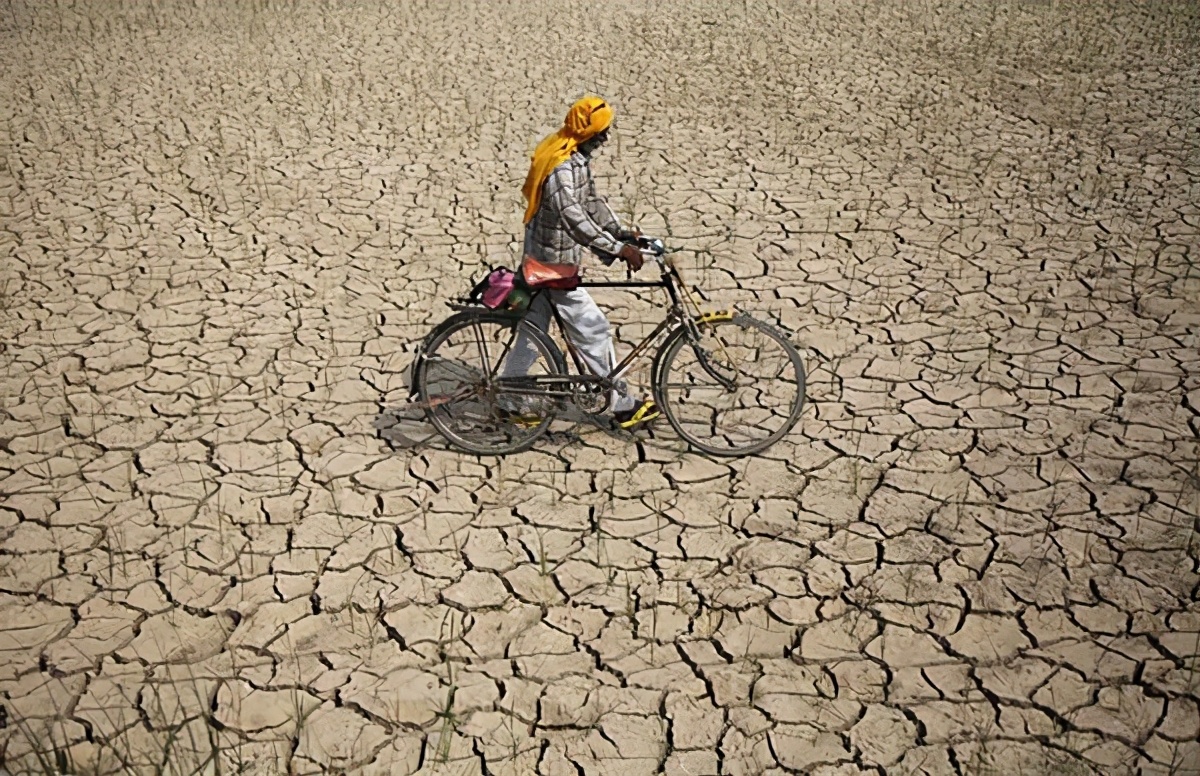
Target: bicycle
[(718, 374)]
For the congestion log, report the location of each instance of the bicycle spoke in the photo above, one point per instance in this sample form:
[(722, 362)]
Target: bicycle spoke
[(508, 346), (481, 341), (468, 372)]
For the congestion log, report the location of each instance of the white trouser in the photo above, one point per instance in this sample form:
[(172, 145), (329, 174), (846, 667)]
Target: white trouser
[(587, 329)]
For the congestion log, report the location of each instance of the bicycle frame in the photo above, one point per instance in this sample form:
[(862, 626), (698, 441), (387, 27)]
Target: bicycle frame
[(675, 315)]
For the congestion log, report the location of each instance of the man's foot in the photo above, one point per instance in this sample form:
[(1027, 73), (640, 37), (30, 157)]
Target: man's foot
[(520, 419), (647, 412)]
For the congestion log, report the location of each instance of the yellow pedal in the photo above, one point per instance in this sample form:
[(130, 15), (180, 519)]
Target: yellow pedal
[(645, 413)]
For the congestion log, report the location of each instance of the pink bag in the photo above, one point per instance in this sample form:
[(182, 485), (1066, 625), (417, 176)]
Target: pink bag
[(499, 285)]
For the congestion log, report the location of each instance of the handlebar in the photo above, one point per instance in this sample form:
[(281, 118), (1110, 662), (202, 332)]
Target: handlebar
[(651, 248), (654, 249)]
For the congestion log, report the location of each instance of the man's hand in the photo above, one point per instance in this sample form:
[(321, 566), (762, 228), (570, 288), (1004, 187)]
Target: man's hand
[(632, 256)]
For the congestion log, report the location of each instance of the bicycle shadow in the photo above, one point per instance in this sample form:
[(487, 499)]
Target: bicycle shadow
[(404, 426)]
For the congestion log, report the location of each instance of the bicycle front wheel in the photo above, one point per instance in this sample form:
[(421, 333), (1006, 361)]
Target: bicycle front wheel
[(736, 391), (461, 376)]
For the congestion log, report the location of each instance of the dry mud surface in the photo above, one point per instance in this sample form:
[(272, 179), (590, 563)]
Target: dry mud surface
[(226, 225)]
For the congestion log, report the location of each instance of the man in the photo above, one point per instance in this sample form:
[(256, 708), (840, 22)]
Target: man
[(564, 216)]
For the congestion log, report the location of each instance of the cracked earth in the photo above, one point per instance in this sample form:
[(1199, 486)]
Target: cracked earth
[(225, 226)]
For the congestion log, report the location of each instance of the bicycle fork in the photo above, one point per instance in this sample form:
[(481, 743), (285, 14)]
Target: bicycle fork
[(693, 335)]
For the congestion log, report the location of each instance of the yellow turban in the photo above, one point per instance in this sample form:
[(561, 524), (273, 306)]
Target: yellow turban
[(587, 118)]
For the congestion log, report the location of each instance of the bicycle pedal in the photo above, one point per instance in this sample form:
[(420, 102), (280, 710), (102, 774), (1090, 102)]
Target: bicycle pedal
[(643, 415)]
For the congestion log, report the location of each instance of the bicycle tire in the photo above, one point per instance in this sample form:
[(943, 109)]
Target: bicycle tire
[(665, 364), (504, 438)]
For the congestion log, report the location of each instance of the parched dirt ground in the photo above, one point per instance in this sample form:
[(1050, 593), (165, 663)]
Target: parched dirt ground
[(225, 225)]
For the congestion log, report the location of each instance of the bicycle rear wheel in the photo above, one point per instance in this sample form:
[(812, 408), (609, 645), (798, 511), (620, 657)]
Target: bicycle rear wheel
[(736, 391), (456, 382)]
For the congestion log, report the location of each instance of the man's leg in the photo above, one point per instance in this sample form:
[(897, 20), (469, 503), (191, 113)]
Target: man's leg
[(524, 354), (587, 327)]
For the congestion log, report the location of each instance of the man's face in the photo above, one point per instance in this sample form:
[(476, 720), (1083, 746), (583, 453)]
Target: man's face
[(590, 146)]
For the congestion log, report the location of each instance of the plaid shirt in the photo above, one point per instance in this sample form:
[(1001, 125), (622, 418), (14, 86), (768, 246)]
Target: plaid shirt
[(572, 217)]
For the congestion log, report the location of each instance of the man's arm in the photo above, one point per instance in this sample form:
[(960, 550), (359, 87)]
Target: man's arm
[(571, 203), (600, 212)]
